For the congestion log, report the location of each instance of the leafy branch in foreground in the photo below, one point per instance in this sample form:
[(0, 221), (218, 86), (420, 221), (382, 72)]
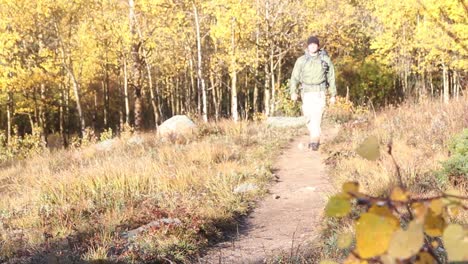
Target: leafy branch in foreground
[(403, 227)]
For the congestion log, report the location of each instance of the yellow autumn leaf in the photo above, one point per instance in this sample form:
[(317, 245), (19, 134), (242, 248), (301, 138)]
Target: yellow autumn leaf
[(424, 258), (350, 187), (434, 224), (437, 206), (419, 211), (373, 234), (338, 206), (399, 195), (405, 244), (385, 211), (454, 210), (456, 242)]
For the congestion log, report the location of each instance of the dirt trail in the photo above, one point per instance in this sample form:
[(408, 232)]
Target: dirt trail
[(287, 217)]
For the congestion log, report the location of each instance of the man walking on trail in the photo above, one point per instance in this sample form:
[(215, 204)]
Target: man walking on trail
[(315, 73)]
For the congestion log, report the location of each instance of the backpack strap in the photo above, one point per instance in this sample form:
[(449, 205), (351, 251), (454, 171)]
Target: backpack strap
[(325, 66)]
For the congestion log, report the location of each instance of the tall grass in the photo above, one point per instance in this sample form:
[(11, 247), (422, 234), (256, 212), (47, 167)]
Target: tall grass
[(420, 135), (81, 201)]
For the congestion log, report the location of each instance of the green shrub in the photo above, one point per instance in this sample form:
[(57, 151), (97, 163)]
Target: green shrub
[(455, 169), (20, 147), (106, 134)]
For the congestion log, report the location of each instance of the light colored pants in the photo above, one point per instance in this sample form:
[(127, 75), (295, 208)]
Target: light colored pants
[(313, 105)]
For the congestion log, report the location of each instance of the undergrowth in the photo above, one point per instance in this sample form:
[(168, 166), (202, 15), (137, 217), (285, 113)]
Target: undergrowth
[(79, 204)]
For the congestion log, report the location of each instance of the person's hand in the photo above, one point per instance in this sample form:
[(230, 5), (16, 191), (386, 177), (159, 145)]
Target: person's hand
[(332, 100), (294, 97)]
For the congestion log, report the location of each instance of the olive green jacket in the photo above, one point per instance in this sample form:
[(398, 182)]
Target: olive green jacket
[(309, 72)]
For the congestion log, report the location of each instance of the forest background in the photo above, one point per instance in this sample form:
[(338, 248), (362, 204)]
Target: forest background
[(81, 67)]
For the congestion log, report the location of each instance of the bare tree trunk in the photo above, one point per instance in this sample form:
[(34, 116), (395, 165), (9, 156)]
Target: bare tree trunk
[(136, 67), (233, 75), (197, 95), (42, 116), (200, 79), (269, 63), (272, 79), (158, 98), (121, 105), (266, 97), (193, 96), (176, 96), (453, 83), (31, 121), (257, 61), (170, 84), (456, 83), (228, 97), (215, 96), (68, 65), (279, 74), (446, 93), (9, 115), (62, 113), (106, 86), (154, 99), (450, 81), (424, 87), (247, 104), (432, 85), (187, 92), (95, 110), (180, 102), (255, 93), (138, 108), (220, 92), (67, 108), (76, 90), (406, 82), (36, 107), (126, 96), (347, 93)]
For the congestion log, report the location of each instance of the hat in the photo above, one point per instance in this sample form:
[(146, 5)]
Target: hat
[(313, 39)]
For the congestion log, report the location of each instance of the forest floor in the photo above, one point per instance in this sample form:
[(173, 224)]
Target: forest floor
[(286, 220)]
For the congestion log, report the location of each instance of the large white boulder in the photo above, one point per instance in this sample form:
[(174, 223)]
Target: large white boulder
[(177, 125)]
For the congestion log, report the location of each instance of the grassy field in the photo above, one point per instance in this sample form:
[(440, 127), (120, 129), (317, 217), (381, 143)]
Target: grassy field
[(421, 135), (78, 204)]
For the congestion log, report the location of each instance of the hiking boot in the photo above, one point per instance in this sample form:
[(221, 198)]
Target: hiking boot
[(314, 146)]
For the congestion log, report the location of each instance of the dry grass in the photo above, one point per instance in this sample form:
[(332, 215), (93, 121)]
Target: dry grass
[(420, 135), (78, 202)]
